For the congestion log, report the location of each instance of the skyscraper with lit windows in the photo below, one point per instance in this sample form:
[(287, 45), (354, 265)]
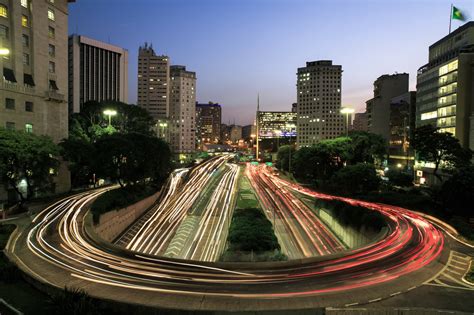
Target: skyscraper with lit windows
[(318, 102)]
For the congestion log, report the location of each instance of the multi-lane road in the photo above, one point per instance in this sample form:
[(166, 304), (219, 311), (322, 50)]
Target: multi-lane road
[(56, 248)]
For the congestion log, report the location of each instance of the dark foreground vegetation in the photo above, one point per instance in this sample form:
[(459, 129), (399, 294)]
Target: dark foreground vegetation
[(251, 238)]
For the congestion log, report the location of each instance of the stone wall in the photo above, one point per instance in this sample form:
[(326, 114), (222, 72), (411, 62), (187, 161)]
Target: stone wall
[(113, 223)]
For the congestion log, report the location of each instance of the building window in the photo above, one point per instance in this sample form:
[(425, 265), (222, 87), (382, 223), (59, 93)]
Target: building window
[(10, 125), (29, 128), (24, 3), (9, 75), (3, 11), (3, 32), (52, 50), (29, 106), (51, 32), (52, 67), (51, 16), (25, 40), (26, 59), (9, 103), (52, 85), (24, 21)]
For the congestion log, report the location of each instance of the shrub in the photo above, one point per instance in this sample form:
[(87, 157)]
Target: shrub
[(399, 178), (73, 301), (250, 230)]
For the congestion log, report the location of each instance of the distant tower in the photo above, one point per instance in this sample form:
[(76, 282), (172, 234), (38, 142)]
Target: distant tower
[(258, 130)]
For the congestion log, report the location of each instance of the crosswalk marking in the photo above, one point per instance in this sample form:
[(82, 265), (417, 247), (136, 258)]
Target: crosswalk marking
[(451, 276)]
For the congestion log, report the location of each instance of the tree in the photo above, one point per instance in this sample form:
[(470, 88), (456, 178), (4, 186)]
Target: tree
[(440, 148), (360, 178), (132, 158), (29, 158), (80, 154), (457, 192), (283, 157), (367, 147)]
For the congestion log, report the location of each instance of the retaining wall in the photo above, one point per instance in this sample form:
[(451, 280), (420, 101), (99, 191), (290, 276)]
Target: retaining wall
[(113, 223)]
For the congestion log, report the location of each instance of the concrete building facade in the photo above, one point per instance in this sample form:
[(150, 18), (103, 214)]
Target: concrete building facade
[(208, 123), (153, 82), (319, 102), (182, 110), (386, 87), (34, 85), (360, 122), (97, 72)]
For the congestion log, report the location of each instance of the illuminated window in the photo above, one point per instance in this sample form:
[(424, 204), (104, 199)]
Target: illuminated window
[(429, 115), (24, 21), (3, 11), (24, 3), (449, 67), (51, 32), (51, 15), (29, 128), (451, 130)]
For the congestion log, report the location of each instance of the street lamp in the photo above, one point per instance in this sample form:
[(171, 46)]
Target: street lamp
[(278, 133), (346, 111), (4, 51), (110, 113)]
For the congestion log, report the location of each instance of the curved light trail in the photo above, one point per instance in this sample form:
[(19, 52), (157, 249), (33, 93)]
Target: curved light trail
[(59, 237)]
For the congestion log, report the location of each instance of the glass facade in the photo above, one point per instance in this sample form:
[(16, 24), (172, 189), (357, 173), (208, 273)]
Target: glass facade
[(277, 124)]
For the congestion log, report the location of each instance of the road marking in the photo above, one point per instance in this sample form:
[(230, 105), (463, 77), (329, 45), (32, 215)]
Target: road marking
[(375, 300), (409, 289), (396, 293), (455, 272), (351, 304)]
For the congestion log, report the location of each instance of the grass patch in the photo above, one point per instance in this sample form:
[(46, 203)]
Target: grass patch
[(119, 198)]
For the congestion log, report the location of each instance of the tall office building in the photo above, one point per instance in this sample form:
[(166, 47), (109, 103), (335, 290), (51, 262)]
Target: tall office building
[(208, 123), (319, 102), (445, 86), (153, 82), (386, 87), (33, 92), (360, 122), (402, 125), (97, 72), (182, 110)]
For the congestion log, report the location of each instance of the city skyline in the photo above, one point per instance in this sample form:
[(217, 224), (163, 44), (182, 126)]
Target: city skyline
[(245, 54)]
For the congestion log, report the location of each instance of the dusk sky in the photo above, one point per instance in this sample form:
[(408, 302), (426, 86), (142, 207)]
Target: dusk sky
[(239, 48)]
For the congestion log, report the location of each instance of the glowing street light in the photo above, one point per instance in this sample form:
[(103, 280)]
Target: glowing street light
[(163, 126), (346, 111), (110, 113), (4, 51)]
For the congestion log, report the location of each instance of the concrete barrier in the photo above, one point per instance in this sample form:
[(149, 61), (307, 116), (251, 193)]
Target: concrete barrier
[(113, 223)]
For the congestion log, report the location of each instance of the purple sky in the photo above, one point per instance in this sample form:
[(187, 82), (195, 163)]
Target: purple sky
[(239, 48)]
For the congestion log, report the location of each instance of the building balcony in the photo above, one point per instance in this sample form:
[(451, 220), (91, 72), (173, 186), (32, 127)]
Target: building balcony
[(15, 87), (54, 96)]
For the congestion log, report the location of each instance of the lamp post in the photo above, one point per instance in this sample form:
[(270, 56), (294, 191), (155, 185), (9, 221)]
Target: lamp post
[(346, 111), (278, 132), (4, 51), (110, 113)]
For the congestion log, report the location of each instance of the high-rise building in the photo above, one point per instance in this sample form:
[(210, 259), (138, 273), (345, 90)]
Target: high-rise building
[(249, 132), (97, 72), (182, 110), (402, 125), (445, 86), (277, 124), (386, 87), (33, 92), (294, 107), (208, 123), (153, 82), (319, 102), (235, 133), (360, 122)]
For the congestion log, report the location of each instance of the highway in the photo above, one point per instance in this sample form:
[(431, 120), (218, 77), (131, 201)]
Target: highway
[(300, 232), (156, 233), (58, 240)]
